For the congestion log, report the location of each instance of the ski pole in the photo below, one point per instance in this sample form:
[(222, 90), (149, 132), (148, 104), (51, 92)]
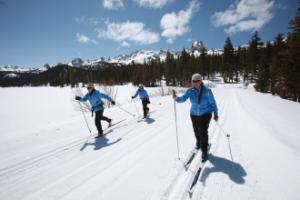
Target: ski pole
[(175, 112), (125, 110), (228, 139), (132, 100), (135, 107), (85, 118)]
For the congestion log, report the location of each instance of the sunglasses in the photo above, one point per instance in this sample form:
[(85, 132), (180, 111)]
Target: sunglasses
[(196, 81)]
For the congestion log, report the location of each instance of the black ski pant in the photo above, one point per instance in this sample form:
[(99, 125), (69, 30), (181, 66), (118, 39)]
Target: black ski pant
[(99, 116), (145, 107), (200, 125)]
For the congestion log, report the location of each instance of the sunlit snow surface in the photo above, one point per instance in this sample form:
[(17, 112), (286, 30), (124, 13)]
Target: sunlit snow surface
[(46, 151)]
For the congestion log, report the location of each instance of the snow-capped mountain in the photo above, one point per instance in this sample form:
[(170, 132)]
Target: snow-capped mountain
[(10, 68), (17, 69), (142, 56), (10, 75), (215, 52), (198, 47), (138, 57)]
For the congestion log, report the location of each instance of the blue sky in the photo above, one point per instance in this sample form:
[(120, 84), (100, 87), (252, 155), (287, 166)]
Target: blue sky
[(35, 32)]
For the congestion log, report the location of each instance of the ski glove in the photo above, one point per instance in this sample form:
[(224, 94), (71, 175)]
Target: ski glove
[(113, 103), (78, 98), (216, 118), (132, 97)]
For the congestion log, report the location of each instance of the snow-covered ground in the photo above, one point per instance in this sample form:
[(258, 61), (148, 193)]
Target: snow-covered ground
[(46, 151)]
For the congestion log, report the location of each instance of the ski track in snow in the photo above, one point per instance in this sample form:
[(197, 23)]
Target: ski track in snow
[(60, 160)]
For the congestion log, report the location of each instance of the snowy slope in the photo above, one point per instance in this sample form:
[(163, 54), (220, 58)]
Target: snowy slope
[(47, 152), (10, 68)]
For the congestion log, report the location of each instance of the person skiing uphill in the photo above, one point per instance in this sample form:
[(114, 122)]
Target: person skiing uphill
[(202, 106), (143, 94), (95, 99)]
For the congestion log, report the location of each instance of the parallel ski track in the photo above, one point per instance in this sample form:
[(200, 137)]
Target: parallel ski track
[(133, 142), (30, 162), (130, 146)]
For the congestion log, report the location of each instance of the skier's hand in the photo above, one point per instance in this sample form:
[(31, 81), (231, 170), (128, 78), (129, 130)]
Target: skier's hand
[(78, 98), (174, 95), (113, 103), (132, 97), (216, 118)]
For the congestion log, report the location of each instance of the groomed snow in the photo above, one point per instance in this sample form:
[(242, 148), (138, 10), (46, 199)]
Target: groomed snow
[(46, 151)]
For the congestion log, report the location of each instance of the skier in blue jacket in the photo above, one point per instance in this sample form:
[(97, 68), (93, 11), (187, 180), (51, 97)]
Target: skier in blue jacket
[(203, 105), (143, 94), (95, 99)]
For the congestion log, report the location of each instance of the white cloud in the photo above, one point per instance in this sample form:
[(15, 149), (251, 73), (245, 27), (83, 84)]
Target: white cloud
[(127, 32), (245, 15), (83, 39), (153, 3), (177, 24), (125, 44), (87, 20), (113, 4)]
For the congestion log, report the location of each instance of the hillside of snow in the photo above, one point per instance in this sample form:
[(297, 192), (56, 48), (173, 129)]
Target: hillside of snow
[(47, 152)]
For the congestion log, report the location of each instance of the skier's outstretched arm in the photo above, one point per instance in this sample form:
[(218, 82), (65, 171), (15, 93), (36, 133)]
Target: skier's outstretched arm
[(183, 98), (82, 99), (134, 96), (104, 96)]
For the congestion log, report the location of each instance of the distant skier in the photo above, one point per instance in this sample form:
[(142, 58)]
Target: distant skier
[(143, 94), (203, 104), (95, 99)]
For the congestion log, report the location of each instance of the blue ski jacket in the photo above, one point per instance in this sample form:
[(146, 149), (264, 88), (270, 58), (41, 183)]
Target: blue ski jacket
[(202, 101), (143, 94), (95, 99)]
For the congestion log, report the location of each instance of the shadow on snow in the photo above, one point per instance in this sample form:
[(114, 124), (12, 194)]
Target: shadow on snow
[(99, 143), (233, 170)]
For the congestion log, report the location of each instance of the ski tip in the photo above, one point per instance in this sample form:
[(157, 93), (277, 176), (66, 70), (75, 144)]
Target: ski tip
[(190, 194)]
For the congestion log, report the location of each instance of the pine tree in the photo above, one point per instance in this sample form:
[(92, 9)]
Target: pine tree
[(255, 45), (276, 70), (292, 75), (204, 70), (184, 68), (228, 61), (263, 78)]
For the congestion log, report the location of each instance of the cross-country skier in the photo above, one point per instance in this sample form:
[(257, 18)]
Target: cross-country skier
[(143, 94), (202, 106), (95, 99)]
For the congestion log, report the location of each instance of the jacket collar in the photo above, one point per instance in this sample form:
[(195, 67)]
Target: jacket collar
[(90, 93)]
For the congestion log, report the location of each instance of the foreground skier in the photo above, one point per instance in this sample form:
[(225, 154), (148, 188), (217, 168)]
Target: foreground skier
[(95, 99), (144, 98), (203, 104)]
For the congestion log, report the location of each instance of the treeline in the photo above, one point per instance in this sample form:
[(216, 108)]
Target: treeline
[(278, 68)]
